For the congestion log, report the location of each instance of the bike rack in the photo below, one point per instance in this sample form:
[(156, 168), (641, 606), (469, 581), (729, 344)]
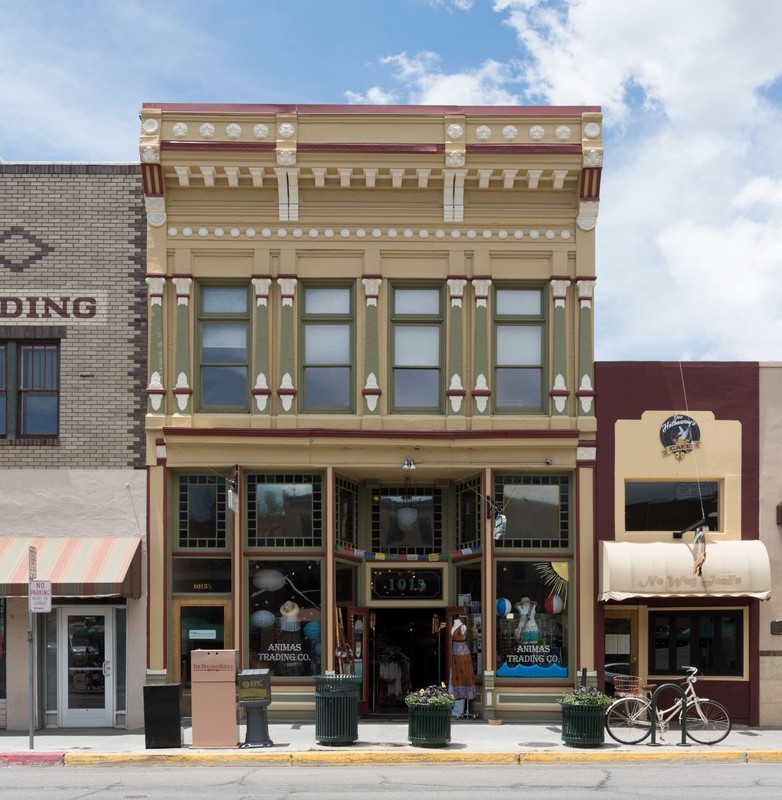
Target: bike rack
[(683, 717)]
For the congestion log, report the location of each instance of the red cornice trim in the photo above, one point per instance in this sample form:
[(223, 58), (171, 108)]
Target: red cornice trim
[(367, 147), (374, 110), (322, 433), (478, 149), (263, 147)]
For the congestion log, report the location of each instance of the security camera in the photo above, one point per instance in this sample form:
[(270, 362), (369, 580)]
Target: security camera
[(549, 460)]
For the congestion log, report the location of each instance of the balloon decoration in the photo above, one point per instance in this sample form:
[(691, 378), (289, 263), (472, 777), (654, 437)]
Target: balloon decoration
[(504, 607), (554, 604), (262, 619)]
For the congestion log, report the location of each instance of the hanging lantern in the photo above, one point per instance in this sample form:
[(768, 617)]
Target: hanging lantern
[(269, 580), (504, 607), (262, 619), (554, 604)]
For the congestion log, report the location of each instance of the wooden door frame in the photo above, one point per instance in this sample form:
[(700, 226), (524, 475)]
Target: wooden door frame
[(188, 602)]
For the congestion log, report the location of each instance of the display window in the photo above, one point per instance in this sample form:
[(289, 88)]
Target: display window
[(532, 619), (285, 617)]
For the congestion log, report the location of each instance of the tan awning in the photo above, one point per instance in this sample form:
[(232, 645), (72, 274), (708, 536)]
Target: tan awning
[(77, 566), (665, 569)]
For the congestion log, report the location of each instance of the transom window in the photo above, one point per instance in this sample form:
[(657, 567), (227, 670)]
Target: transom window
[(407, 519), (29, 389), (671, 505), (203, 518), (327, 348), (285, 511), (519, 337), (417, 342), (536, 509), (223, 338)]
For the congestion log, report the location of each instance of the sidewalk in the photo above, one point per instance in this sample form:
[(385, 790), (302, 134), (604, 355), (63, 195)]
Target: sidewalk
[(379, 742)]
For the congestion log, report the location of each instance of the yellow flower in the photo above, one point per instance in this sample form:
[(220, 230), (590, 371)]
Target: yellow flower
[(421, 692)]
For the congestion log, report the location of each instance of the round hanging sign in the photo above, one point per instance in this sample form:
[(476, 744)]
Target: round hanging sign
[(679, 434)]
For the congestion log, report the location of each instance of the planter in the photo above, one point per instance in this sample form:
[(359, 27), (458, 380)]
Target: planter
[(583, 725), (428, 725)]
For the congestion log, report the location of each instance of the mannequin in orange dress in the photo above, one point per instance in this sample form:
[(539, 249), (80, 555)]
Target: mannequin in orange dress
[(462, 676)]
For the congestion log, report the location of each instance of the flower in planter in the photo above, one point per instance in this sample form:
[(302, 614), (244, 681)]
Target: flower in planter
[(431, 696), (585, 696)]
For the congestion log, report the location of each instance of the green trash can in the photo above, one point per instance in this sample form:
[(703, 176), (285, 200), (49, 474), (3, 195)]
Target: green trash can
[(336, 709)]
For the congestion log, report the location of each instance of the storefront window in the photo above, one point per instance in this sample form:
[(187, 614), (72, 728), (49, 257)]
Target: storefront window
[(201, 575), (671, 505), (285, 620), (407, 519), (203, 517), (346, 511), (469, 508), (532, 619), (709, 640)]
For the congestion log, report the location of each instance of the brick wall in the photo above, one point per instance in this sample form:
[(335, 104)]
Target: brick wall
[(69, 230)]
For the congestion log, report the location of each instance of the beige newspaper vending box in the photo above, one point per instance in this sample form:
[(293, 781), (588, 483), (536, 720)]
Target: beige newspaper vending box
[(213, 676)]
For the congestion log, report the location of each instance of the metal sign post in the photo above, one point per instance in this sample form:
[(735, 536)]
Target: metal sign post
[(33, 574)]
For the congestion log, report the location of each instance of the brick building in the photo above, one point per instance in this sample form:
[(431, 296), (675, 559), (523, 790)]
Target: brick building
[(72, 480)]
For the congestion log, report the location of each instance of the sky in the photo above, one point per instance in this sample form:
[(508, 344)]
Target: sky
[(689, 251)]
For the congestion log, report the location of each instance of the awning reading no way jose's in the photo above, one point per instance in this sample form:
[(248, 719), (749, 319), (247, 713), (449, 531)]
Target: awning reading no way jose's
[(665, 569), (77, 566)]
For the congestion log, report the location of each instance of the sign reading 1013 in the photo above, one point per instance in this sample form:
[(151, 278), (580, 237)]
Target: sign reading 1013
[(406, 584)]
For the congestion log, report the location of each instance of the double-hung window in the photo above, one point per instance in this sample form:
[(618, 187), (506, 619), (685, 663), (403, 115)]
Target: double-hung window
[(417, 342), (223, 348), (519, 347), (327, 348), (29, 389)]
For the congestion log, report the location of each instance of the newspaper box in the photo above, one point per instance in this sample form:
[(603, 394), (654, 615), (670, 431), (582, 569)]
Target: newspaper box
[(213, 678), (254, 696)]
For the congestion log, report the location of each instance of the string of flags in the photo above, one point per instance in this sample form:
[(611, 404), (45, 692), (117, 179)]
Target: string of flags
[(368, 555)]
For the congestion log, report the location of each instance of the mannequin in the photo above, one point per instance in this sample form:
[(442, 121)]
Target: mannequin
[(462, 677), (527, 630)]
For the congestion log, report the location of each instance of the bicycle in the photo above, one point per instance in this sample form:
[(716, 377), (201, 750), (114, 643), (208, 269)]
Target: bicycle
[(628, 719)]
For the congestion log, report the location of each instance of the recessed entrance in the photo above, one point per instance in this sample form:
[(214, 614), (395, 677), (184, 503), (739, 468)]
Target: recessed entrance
[(407, 651)]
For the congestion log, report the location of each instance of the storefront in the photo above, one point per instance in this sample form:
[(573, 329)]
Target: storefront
[(80, 648), (371, 416), (682, 571)]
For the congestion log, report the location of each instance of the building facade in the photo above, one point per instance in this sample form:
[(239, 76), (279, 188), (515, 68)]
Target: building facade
[(770, 642), (682, 567), (370, 396), (72, 464)]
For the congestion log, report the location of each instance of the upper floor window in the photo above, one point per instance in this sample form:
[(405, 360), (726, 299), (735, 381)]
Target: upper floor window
[(327, 348), (223, 348), (417, 342), (29, 389), (671, 505), (519, 337)]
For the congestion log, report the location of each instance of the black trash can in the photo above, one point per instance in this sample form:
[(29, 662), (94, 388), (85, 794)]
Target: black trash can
[(162, 715), (336, 708)]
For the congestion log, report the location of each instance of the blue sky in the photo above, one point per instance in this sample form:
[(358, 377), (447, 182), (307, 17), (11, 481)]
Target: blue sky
[(689, 252)]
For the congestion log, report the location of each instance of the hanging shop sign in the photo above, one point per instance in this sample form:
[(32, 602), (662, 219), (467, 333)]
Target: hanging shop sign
[(679, 435), (406, 584)]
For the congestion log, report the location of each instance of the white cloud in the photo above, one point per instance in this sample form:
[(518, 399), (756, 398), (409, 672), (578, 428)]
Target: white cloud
[(424, 83)]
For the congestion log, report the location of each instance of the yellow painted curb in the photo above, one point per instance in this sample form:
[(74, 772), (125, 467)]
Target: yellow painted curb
[(401, 756)]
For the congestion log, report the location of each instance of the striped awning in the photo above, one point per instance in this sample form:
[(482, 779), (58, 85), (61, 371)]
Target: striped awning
[(77, 566)]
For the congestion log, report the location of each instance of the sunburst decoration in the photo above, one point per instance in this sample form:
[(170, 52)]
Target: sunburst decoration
[(555, 575)]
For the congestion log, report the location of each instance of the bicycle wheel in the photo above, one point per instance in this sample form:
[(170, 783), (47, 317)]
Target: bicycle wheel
[(708, 722), (628, 720)]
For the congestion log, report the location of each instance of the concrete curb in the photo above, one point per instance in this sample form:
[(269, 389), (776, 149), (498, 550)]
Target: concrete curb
[(317, 758)]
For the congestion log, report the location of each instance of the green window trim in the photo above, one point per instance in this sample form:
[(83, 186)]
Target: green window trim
[(223, 348), (327, 386), (417, 329), (519, 325)]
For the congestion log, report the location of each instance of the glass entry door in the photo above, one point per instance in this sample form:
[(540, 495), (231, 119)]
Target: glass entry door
[(199, 625), (86, 667)]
